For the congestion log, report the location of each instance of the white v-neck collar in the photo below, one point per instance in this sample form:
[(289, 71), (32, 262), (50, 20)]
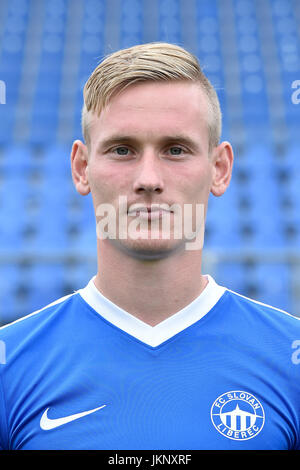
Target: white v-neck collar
[(153, 335)]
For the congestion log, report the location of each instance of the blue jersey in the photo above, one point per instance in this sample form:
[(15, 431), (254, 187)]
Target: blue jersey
[(82, 373)]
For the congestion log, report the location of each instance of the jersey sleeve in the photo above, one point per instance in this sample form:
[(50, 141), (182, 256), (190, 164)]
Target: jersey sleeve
[(3, 415)]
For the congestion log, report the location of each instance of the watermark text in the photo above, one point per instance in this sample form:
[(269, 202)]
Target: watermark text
[(296, 353), (2, 92), (2, 352), (296, 94), (155, 222)]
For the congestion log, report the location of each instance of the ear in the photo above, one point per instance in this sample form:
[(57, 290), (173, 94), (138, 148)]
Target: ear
[(222, 159), (79, 163)]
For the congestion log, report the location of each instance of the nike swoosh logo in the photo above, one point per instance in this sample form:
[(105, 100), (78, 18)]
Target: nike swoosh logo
[(48, 423)]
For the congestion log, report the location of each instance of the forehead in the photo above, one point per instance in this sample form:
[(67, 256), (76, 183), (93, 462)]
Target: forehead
[(154, 107)]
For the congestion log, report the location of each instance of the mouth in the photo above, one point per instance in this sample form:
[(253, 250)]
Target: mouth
[(153, 212)]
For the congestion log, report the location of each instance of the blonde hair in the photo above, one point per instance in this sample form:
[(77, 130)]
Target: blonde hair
[(147, 62)]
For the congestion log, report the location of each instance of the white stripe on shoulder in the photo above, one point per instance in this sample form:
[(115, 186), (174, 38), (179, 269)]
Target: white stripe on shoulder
[(58, 301), (264, 305)]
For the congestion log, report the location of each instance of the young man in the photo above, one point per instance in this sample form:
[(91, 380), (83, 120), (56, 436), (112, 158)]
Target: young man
[(152, 353)]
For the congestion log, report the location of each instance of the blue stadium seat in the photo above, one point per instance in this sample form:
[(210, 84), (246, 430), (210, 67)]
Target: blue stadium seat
[(273, 281), (7, 119), (232, 275), (9, 275), (57, 162), (17, 159), (45, 283), (77, 274)]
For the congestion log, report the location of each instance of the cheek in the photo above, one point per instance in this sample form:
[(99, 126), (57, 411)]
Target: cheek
[(98, 181), (195, 186), (107, 183)]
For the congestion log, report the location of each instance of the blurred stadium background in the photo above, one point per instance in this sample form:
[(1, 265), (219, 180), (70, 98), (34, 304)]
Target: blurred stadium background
[(250, 51)]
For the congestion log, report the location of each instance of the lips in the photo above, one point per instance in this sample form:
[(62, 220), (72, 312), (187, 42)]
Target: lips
[(148, 212)]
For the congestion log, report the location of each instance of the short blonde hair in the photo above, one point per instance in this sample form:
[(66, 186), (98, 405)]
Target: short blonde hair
[(147, 62)]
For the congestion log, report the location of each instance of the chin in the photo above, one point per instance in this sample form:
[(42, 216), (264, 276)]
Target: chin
[(149, 249)]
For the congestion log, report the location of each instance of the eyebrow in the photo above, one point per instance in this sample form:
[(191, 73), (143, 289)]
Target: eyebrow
[(127, 139), (117, 139)]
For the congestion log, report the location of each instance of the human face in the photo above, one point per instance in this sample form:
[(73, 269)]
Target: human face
[(150, 145)]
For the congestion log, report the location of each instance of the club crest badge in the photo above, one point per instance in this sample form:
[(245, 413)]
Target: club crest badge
[(237, 415)]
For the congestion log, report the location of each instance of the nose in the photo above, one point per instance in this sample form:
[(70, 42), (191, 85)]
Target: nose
[(148, 177)]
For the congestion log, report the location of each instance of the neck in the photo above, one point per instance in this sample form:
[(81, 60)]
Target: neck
[(150, 290)]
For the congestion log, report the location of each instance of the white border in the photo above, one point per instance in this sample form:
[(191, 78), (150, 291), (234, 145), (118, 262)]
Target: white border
[(158, 334)]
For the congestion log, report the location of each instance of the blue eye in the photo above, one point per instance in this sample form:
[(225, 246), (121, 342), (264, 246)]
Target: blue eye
[(122, 151), (176, 150)]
